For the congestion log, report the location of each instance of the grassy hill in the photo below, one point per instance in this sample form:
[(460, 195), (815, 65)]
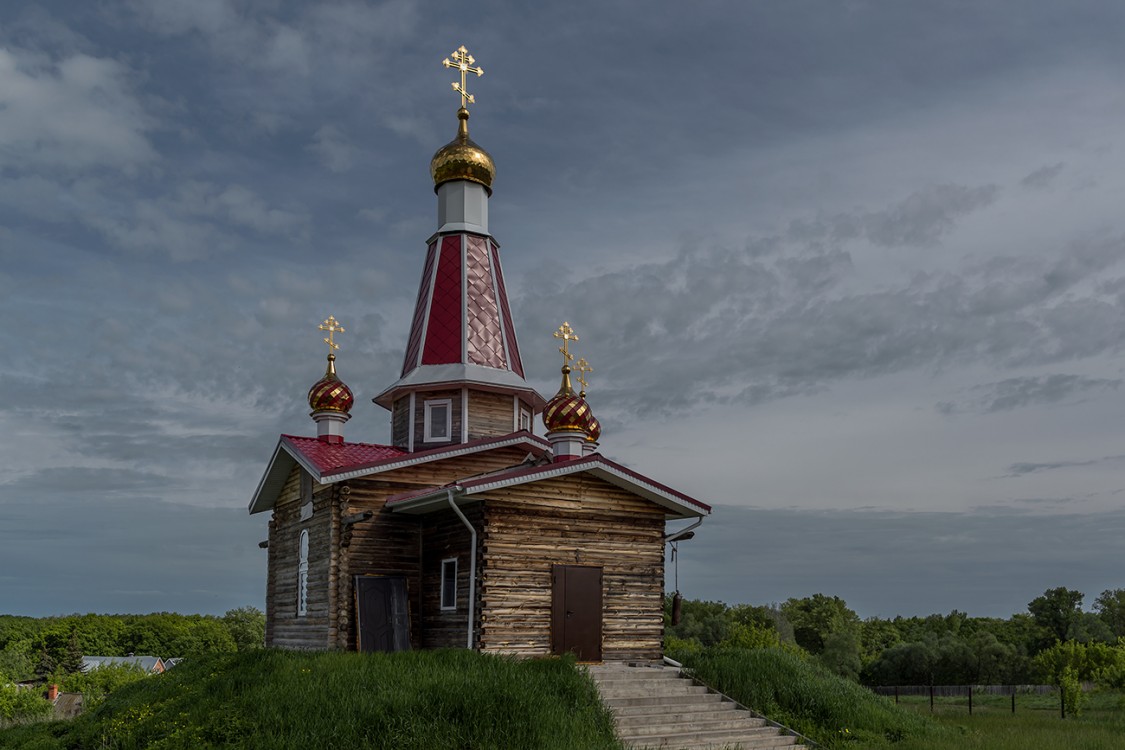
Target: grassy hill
[(409, 701)]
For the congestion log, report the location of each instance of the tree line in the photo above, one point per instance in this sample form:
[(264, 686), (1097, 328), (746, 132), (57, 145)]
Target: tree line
[(1054, 640), (54, 646)]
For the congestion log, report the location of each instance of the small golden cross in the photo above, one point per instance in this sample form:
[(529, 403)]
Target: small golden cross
[(463, 61), (567, 334), (583, 367), (333, 328)]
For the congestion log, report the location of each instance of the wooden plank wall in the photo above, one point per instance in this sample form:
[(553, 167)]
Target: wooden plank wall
[(400, 423), (490, 414), (443, 537), (391, 543), (574, 520), (420, 417), (284, 628)]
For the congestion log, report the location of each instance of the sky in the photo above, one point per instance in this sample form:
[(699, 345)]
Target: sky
[(853, 273)]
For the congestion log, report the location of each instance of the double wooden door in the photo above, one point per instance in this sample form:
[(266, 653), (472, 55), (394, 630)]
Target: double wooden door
[(576, 611), (382, 614)]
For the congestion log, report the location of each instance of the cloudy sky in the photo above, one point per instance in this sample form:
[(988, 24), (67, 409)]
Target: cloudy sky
[(852, 272)]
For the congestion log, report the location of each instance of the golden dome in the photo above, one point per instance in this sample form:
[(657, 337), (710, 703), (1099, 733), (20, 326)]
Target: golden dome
[(461, 159)]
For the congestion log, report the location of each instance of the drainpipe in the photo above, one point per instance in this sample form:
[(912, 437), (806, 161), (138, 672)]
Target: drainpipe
[(677, 534), (472, 563)]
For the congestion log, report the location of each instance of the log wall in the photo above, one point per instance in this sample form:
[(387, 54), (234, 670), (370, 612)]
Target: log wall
[(284, 627), (392, 543), (444, 537), (574, 520)]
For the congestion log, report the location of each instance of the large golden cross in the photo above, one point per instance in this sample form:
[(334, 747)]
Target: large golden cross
[(583, 367), (333, 328), (567, 334), (463, 61)]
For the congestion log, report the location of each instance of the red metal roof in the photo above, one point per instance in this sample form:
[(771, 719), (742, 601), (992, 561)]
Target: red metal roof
[(328, 457)]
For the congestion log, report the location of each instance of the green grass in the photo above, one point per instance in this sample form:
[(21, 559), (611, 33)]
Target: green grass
[(278, 700), (808, 698), (1036, 723)]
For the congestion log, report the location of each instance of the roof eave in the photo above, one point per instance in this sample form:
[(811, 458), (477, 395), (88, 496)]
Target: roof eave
[(285, 456)]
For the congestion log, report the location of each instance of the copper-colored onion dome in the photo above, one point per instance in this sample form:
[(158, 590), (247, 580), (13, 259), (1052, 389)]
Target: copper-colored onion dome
[(567, 410), (330, 393), (461, 159)]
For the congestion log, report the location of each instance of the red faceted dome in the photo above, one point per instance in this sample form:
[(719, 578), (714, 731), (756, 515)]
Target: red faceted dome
[(594, 430), (330, 393), (567, 411)]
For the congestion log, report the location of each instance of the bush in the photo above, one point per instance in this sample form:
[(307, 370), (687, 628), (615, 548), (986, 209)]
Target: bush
[(17, 706)]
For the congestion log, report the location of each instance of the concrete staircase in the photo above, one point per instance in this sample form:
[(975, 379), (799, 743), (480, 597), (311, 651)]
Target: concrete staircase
[(655, 707)]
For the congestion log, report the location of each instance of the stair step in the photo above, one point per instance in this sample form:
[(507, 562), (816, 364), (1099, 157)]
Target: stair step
[(664, 700), (625, 718), (680, 687), (659, 709), (744, 724), (718, 739)]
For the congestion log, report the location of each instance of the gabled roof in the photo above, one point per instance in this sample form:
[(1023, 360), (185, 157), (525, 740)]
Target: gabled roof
[(676, 503), (147, 663), (335, 462)]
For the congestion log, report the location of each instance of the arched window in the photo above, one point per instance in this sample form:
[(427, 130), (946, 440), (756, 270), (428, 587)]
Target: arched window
[(303, 575)]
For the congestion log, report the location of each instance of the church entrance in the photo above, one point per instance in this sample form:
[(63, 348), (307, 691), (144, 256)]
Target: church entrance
[(382, 616), (576, 611)]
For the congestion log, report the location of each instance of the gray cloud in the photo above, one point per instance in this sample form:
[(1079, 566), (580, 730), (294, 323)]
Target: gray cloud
[(1015, 393), (1042, 177), (745, 327), (1026, 467), (919, 220), (73, 112)]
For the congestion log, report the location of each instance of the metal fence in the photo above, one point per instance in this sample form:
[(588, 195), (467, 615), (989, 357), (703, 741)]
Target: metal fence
[(967, 692)]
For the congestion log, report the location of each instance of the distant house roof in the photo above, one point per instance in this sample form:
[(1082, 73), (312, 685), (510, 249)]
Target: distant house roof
[(676, 503), (68, 705), (335, 462), (147, 663)]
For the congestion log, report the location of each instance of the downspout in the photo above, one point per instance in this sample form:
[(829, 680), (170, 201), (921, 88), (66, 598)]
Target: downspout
[(677, 534), (472, 563)]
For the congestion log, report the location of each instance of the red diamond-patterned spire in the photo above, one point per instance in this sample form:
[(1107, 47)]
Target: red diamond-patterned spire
[(461, 335)]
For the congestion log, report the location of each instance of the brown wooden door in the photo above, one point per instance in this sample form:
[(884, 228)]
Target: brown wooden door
[(576, 611), (383, 619)]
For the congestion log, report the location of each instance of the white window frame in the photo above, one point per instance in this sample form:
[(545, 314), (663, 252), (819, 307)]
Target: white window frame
[(441, 601), (525, 419), (303, 573), (428, 421)]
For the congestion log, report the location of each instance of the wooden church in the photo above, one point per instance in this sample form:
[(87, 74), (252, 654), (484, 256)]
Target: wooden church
[(468, 530)]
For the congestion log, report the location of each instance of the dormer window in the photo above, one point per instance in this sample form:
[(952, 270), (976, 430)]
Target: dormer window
[(438, 421)]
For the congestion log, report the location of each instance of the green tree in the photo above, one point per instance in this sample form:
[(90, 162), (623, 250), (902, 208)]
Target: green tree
[(21, 705), (71, 661), (247, 626), (876, 636), (816, 617), (1056, 610), (1110, 606), (841, 653), (46, 666)]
